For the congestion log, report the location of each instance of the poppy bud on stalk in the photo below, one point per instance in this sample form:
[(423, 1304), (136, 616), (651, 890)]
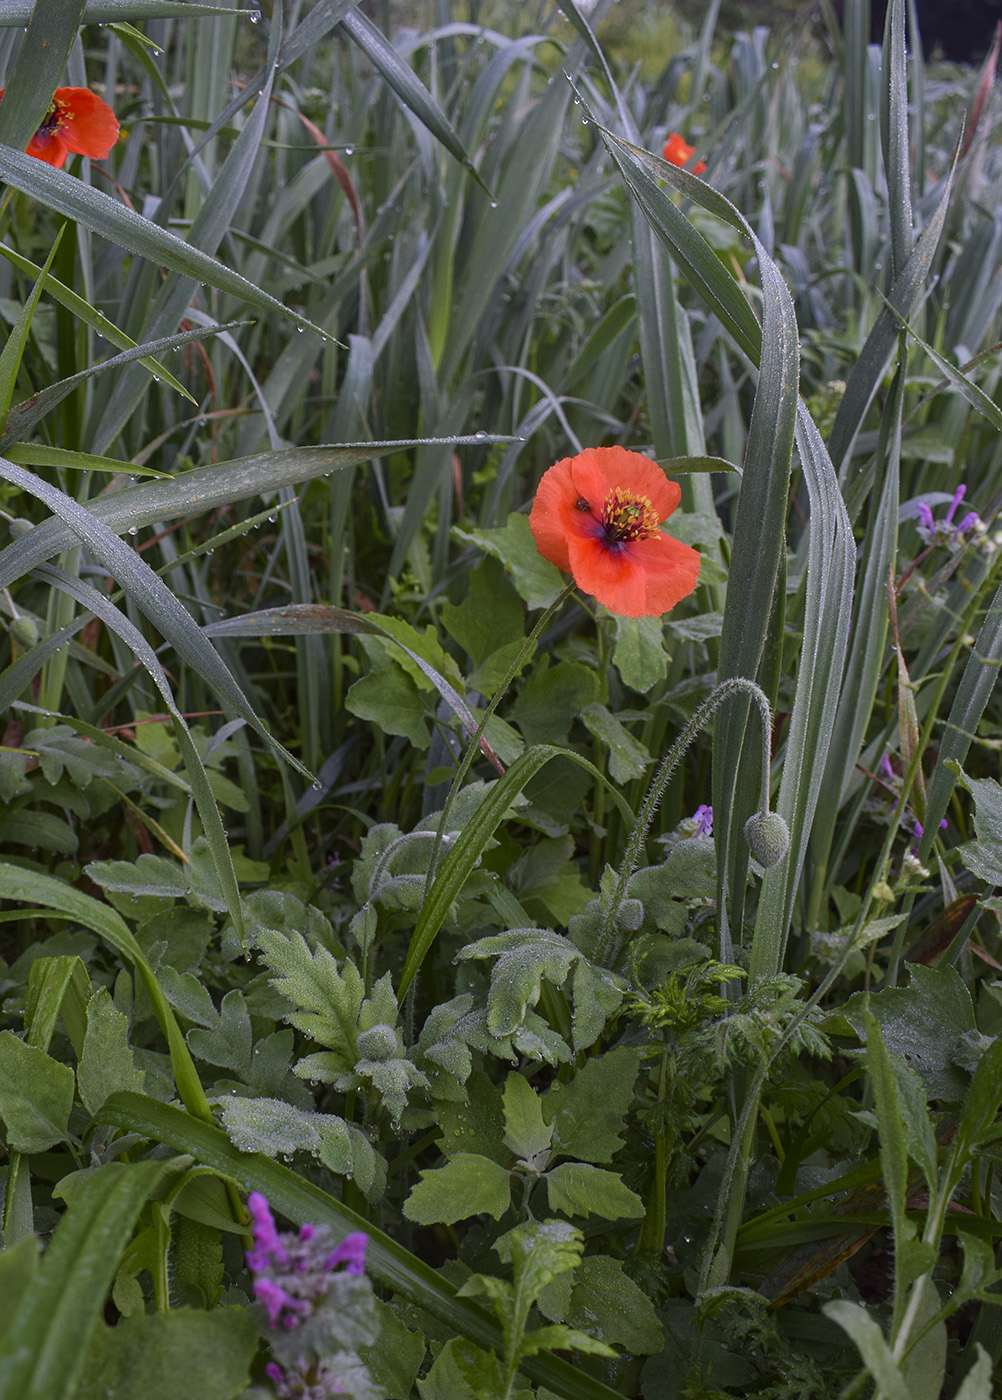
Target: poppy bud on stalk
[(768, 837)]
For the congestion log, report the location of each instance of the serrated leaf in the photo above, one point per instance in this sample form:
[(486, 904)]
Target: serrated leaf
[(467, 1185), (106, 1063), (588, 1112), (627, 756), (639, 654), (526, 957), (539, 582), (607, 1302), (526, 1134), (579, 1189), (148, 875), (36, 1095)]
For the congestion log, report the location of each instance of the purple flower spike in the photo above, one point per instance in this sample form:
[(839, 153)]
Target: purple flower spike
[(925, 516), (292, 1272), (266, 1236), (351, 1251), (887, 770), (958, 496), (970, 522)]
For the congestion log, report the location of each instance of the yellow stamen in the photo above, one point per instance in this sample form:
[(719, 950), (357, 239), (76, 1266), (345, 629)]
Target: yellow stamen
[(628, 517)]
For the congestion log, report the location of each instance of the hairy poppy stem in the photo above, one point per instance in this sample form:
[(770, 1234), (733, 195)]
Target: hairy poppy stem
[(608, 949)]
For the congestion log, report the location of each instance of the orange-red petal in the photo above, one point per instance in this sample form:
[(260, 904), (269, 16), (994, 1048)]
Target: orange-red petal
[(44, 145), (678, 152), (644, 578), (88, 125)]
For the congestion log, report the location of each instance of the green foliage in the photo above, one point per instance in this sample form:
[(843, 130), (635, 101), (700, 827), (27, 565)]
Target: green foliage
[(302, 835)]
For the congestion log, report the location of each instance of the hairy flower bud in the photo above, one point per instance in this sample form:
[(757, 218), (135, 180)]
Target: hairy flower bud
[(768, 837), (379, 1042)]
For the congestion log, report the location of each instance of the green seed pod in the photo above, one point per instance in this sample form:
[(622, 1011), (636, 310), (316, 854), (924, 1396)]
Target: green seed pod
[(23, 633), (768, 837)]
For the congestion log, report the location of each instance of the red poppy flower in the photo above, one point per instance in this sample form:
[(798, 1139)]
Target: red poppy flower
[(77, 123), (677, 152), (596, 516)]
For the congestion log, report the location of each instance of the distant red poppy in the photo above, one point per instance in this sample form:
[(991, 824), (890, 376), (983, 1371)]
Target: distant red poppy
[(677, 152), (77, 123), (596, 516)]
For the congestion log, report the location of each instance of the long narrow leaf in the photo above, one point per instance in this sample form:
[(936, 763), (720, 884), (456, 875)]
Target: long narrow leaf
[(45, 1350), (104, 215), (19, 12), (202, 490), (122, 626), (150, 594), (38, 69)]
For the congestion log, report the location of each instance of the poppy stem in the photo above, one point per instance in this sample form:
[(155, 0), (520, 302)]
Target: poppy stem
[(473, 748), (609, 946)]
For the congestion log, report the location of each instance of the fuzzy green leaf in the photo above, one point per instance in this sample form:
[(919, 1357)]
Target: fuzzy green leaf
[(467, 1185)]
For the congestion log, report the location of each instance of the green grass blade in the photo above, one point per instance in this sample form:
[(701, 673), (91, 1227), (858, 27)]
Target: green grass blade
[(99, 604), (828, 610), (97, 320), (757, 553), (202, 490), (872, 361), (45, 1350), (976, 686), (866, 659), (19, 12), (151, 595), (894, 135), (13, 350), (37, 454), (298, 1200), (408, 87), (315, 25), (23, 417), (38, 69), (104, 215)]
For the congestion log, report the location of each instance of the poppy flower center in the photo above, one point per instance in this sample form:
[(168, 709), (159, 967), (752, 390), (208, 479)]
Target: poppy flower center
[(627, 517), (53, 120)]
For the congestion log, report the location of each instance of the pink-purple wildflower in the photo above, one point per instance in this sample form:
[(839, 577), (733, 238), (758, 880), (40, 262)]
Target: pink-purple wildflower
[(933, 531), (703, 817), (292, 1271)]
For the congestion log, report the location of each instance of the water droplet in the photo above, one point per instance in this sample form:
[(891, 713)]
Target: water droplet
[(317, 785), (133, 529), (349, 150)]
